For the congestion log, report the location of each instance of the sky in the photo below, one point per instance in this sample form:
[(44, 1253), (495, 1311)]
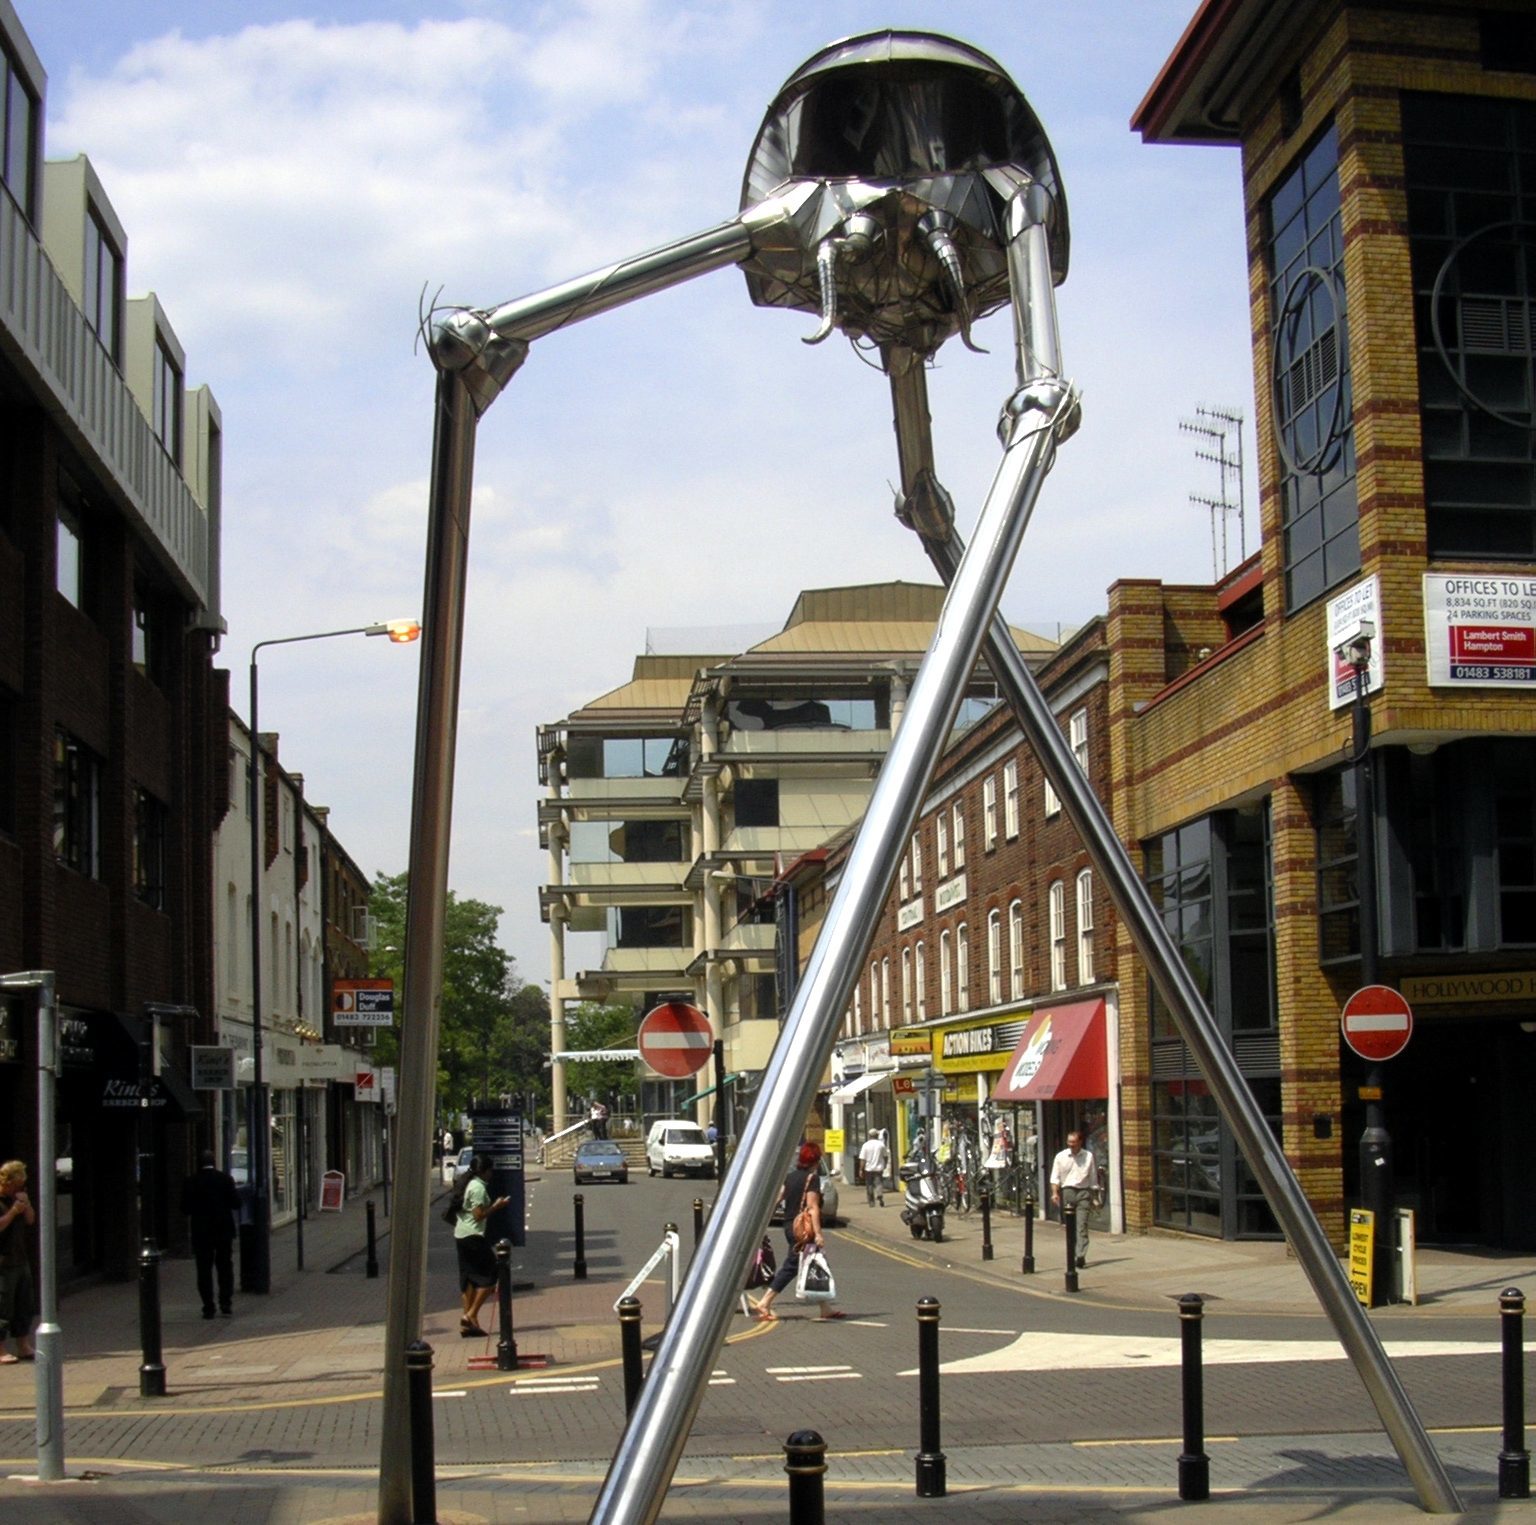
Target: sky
[(299, 182)]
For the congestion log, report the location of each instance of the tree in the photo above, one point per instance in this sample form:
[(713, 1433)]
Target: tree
[(493, 1032), (590, 1026)]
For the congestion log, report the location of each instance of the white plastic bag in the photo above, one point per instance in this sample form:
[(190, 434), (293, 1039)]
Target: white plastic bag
[(814, 1283)]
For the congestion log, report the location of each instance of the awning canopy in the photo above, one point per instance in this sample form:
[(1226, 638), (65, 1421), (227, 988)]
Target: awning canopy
[(857, 1087), (1062, 1056), (688, 1101)]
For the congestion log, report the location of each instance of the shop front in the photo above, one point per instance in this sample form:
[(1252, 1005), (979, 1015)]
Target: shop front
[(968, 1057), (1058, 1073)]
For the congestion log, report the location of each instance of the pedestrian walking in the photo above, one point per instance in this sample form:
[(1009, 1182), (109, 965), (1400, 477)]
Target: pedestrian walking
[(18, 1298), (470, 1206), (210, 1201), (802, 1229), (1074, 1179), (874, 1159), (598, 1120)]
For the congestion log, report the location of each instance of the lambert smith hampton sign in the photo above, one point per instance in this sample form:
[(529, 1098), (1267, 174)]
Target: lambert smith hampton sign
[(1480, 631)]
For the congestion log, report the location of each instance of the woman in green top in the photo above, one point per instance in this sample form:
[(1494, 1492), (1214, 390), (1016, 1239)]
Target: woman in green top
[(477, 1265)]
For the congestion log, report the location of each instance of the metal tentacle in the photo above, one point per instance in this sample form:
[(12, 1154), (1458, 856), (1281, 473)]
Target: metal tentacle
[(935, 229), (826, 276)]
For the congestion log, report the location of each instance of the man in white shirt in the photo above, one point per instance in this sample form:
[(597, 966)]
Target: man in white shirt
[(1074, 1180), (874, 1157)]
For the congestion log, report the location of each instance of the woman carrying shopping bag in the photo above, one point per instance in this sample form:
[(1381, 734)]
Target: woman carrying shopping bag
[(802, 1230)]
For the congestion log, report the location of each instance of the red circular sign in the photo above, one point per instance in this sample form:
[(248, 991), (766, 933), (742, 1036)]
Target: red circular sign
[(675, 1039), (1377, 1022)]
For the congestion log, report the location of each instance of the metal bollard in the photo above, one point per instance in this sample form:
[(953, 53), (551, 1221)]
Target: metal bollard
[(580, 1268), (506, 1346), (930, 1459), (629, 1347), (805, 1460), (1069, 1227), (698, 1220), (373, 1242), (1028, 1268), (1194, 1464), (418, 1381), (152, 1369), (986, 1222), (1514, 1459)]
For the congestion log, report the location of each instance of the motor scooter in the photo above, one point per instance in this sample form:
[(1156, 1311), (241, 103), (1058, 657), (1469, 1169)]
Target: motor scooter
[(924, 1198)]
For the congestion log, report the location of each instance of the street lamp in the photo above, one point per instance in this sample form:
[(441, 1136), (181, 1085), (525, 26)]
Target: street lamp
[(401, 632)]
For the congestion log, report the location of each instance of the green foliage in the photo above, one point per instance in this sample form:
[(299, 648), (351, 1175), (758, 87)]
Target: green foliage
[(493, 1033), (590, 1026)]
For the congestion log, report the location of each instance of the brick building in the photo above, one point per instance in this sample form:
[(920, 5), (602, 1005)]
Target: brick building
[(1390, 197), (111, 716)]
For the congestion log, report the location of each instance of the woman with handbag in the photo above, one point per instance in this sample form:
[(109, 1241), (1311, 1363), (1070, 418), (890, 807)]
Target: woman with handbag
[(802, 1229)]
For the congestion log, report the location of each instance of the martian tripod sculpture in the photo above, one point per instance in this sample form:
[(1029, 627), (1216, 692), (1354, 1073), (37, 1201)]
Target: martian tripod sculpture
[(900, 188)]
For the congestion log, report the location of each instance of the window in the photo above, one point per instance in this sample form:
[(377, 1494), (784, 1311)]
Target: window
[(1056, 904), (920, 981), (18, 132), (235, 978), (1311, 389), (757, 802), (874, 995), (149, 818), (885, 988), (941, 844), (150, 636), (76, 805), (963, 967), (906, 986), (1471, 184), (904, 894), (103, 286), (994, 957), (657, 926), (946, 983), (1051, 804), (957, 819), (989, 813), (1077, 733), (1011, 799), (167, 401), (1085, 927), (1016, 951), (917, 863), (69, 565), (856, 1013)]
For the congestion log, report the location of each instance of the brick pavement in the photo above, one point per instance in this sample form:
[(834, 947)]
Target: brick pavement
[(315, 1340)]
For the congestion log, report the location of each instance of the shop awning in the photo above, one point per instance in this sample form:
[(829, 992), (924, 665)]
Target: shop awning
[(1062, 1056), (855, 1088), (708, 1091)]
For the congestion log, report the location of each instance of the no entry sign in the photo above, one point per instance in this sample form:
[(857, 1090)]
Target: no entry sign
[(1377, 1022), (675, 1039)]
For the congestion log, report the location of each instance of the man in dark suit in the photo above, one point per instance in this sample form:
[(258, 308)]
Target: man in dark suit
[(210, 1200)]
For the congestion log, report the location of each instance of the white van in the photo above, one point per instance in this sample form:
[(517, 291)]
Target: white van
[(674, 1144)]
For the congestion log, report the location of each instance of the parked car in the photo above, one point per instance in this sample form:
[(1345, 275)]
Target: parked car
[(680, 1146), (454, 1163), (826, 1184), (599, 1160)]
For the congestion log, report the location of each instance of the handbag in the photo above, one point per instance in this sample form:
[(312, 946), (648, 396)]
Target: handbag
[(803, 1229), (762, 1265), (814, 1283)]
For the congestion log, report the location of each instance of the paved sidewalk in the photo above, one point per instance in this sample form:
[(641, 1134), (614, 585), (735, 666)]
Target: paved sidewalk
[(1154, 1270)]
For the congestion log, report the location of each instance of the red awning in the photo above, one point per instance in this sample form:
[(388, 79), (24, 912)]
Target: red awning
[(1061, 1057)]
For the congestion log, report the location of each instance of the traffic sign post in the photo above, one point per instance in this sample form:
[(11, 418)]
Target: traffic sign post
[(1377, 1023), (675, 1040)]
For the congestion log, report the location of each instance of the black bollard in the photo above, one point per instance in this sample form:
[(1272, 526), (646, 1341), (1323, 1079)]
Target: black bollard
[(1514, 1459), (580, 1268), (1194, 1464), (506, 1346), (986, 1222), (805, 1460), (930, 1459), (698, 1220), (418, 1381), (373, 1242), (629, 1347), (152, 1370), (1069, 1227), (1028, 1268)]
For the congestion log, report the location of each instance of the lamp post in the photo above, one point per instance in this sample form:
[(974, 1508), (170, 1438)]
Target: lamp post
[(1378, 1187), (257, 1120)]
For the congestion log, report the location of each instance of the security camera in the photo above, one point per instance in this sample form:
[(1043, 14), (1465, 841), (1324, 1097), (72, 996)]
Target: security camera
[(1355, 645)]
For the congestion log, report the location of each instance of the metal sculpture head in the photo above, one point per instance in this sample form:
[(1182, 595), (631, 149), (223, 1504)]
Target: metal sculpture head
[(901, 153)]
